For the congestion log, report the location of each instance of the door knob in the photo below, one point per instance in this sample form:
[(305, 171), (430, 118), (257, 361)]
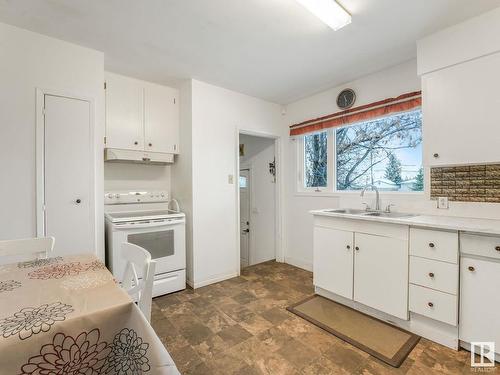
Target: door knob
[(431, 274), (357, 248), (348, 247), (431, 244), (471, 269), (78, 201), (430, 304), (497, 248)]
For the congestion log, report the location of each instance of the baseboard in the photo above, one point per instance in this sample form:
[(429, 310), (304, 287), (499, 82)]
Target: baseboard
[(199, 284), (299, 263)]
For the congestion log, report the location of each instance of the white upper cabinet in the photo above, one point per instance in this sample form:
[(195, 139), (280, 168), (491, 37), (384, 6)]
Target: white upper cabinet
[(460, 113), (124, 113), (161, 119), (141, 115)]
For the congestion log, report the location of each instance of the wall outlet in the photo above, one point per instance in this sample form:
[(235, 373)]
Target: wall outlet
[(443, 202)]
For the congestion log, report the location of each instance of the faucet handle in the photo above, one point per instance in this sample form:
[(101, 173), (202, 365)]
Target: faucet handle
[(388, 208), (367, 208)]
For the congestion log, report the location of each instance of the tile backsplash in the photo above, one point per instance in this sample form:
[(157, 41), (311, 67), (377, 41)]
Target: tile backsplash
[(469, 183)]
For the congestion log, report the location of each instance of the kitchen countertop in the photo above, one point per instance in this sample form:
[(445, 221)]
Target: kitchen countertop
[(476, 225)]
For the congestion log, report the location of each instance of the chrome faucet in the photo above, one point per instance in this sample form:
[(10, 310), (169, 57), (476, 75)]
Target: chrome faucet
[(377, 203)]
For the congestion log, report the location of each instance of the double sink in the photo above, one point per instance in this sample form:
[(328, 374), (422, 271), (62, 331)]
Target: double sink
[(358, 212)]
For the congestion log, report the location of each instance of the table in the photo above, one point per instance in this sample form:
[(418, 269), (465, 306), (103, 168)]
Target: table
[(67, 315)]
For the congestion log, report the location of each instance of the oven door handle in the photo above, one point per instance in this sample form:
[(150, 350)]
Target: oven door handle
[(148, 225)]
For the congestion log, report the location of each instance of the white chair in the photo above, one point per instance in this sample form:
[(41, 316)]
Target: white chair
[(28, 248), (140, 289)]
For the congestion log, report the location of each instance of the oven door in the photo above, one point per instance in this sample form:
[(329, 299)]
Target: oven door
[(164, 239)]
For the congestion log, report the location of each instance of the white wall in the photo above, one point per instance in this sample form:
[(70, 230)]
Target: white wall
[(216, 116), (130, 176), (259, 152), (182, 172), (388, 83), (29, 61)]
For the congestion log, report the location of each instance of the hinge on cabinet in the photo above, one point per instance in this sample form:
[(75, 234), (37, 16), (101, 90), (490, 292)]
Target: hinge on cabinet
[(174, 100), (43, 111), (104, 140), (104, 85)]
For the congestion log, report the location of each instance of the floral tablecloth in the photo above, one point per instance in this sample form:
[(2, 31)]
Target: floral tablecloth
[(68, 316)]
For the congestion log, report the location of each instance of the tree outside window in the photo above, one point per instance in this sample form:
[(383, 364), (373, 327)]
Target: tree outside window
[(316, 160), (385, 152)]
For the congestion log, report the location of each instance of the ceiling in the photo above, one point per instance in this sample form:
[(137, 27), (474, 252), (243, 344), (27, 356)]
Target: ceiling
[(272, 49)]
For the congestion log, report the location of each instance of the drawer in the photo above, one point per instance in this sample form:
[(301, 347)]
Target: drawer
[(434, 304), (169, 282), (434, 244), (434, 274), (475, 244)]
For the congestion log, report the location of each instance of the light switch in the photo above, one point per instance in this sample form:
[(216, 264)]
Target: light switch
[(443, 202), (230, 179)]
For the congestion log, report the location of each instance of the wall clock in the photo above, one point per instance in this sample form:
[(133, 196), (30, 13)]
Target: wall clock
[(346, 98)]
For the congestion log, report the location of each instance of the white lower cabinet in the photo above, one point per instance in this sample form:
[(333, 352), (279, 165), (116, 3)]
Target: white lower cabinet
[(381, 273), (480, 301), (367, 268), (333, 260)]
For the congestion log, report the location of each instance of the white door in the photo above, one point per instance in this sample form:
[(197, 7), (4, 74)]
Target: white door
[(381, 273), (479, 301), (161, 119), (333, 260), (244, 182), (68, 180), (124, 113)]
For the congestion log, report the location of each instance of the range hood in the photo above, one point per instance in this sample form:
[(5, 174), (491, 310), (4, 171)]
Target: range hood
[(132, 156)]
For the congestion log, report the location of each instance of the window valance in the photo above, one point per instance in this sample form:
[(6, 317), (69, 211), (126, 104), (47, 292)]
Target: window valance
[(381, 108)]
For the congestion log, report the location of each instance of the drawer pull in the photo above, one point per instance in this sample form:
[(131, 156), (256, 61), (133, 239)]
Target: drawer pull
[(348, 247), (431, 274), (430, 304), (497, 248), (471, 269), (431, 244)]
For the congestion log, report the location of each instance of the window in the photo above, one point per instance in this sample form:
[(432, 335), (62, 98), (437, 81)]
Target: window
[(315, 160), (386, 152)]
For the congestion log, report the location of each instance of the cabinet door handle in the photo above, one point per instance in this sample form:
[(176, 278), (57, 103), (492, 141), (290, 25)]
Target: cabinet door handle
[(497, 248), (436, 155), (431, 274), (348, 247), (78, 201), (150, 144), (430, 304), (431, 244), (471, 269), (357, 248), (136, 143)]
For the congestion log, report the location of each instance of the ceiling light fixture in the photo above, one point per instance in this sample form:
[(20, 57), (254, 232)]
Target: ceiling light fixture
[(328, 11)]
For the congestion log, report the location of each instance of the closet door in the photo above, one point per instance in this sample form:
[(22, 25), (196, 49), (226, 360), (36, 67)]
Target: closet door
[(68, 175), (124, 113)]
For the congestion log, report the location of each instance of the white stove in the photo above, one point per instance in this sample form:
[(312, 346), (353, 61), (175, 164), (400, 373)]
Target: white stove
[(145, 218)]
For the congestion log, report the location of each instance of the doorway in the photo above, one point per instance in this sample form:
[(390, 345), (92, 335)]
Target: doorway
[(257, 192)]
